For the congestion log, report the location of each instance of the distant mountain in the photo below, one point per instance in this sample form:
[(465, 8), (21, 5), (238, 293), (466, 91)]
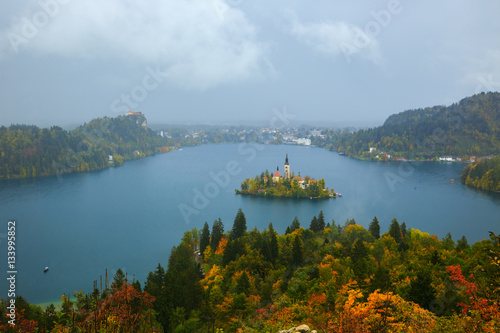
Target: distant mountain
[(28, 151), (469, 127)]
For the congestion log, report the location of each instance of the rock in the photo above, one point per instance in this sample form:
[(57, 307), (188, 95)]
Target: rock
[(298, 329), (314, 331), (302, 329)]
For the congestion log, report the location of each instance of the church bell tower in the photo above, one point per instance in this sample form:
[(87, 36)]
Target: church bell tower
[(287, 168)]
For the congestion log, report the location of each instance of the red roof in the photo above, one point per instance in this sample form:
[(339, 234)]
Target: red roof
[(277, 174), (298, 178), (133, 113)]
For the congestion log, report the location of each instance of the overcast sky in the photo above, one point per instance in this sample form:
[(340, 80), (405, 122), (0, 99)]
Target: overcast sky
[(242, 61)]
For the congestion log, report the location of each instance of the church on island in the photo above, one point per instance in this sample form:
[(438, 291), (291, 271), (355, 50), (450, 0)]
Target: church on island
[(288, 176), (285, 185)]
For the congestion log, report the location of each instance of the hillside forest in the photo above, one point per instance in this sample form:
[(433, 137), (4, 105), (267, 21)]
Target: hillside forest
[(332, 277)]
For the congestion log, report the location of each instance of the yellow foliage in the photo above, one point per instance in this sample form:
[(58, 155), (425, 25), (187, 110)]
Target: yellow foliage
[(381, 312), (253, 301), (353, 228), (222, 246), (207, 254)]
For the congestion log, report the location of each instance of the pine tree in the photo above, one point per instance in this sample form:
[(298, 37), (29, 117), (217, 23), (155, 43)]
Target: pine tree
[(321, 221), (239, 226), (421, 290), (229, 253), (182, 287), (375, 228), (217, 233), (381, 279), (314, 226), (205, 238), (462, 244), (137, 285), (287, 231), (265, 249), (295, 224), (118, 280), (359, 259), (403, 229), (297, 254), (155, 281), (243, 284), (273, 243), (395, 230)]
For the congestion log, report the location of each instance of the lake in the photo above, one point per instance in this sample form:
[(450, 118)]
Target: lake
[(130, 217)]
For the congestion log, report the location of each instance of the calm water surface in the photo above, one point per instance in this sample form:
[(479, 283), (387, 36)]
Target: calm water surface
[(130, 217)]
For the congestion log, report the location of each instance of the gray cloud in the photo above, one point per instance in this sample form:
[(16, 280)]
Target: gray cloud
[(333, 61), (336, 39), (203, 43)]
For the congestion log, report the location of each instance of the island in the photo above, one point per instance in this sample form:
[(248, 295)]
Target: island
[(287, 185)]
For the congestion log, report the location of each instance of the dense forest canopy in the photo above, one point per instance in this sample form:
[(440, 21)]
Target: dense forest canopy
[(467, 128), (29, 151), (332, 277)]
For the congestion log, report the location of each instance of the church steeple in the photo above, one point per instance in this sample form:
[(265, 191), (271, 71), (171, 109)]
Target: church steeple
[(286, 175)]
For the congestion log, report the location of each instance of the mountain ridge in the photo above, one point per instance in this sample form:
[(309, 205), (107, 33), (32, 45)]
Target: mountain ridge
[(468, 127)]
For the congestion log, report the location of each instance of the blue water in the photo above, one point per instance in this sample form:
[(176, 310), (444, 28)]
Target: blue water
[(130, 217)]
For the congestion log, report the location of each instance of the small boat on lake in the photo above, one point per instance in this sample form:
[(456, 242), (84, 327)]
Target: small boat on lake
[(46, 269)]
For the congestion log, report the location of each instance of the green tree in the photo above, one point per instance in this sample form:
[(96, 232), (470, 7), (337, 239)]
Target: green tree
[(374, 228), (395, 230), (217, 233), (273, 243), (182, 288), (155, 281), (297, 252), (381, 279), (314, 226), (295, 224), (421, 290), (49, 317), (205, 238), (403, 229), (321, 221), (155, 286), (447, 242), (118, 280), (137, 285), (229, 252), (462, 244), (243, 284), (359, 259), (239, 226)]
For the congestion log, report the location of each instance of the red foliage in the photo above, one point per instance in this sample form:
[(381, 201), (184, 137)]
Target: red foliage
[(22, 324), (488, 310), (127, 309)]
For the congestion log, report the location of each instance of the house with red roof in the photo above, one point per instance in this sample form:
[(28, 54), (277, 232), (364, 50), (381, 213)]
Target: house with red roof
[(277, 175)]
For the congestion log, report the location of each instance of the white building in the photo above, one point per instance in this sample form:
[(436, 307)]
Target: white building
[(302, 141)]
